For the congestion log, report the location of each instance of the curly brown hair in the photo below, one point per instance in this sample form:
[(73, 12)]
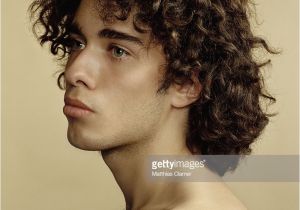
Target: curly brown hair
[(211, 38)]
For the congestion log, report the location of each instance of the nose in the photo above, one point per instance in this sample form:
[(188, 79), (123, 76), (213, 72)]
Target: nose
[(81, 70)]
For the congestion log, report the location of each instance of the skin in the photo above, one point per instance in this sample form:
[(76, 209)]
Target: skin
[(118, 79)]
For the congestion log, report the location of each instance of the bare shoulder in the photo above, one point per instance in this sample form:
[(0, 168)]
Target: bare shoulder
[(211, 206), (211, 196)]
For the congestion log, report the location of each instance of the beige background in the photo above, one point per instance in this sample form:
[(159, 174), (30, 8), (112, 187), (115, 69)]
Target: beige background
[(41, 171)]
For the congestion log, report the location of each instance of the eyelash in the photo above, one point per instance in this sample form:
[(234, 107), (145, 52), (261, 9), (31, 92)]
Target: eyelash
[(113, 47), (69, 43)]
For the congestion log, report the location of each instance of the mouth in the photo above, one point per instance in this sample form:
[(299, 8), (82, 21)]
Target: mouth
[(75, 108)]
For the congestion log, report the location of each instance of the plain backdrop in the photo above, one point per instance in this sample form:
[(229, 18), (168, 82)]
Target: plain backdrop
[(42, 171)]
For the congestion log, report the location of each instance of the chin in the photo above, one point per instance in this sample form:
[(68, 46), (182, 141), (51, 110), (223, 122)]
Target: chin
[(83, 142), (83, 146), (88, 142)]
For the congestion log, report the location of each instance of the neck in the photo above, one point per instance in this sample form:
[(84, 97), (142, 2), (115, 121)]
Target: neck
[(127, 164)]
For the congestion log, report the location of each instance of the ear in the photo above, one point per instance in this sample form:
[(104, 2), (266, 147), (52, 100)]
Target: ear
[(187, 93)]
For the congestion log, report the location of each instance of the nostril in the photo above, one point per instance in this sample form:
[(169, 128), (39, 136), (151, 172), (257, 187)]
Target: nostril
[(80, 83), (61, 82)]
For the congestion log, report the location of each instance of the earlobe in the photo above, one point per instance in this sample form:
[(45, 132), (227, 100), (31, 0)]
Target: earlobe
[(187, 93)]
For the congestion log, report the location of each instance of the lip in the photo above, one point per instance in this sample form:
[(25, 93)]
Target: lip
[(75, 108)]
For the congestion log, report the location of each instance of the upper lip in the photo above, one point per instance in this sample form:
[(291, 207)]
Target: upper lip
[(76, 103)]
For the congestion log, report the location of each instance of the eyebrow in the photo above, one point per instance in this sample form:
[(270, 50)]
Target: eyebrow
[(106, 33), (113, 34), (74, 28)]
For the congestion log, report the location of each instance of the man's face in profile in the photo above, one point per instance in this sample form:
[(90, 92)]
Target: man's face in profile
[(113, 73)]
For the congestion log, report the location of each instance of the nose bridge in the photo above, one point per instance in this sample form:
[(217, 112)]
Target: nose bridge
[(81, 69)]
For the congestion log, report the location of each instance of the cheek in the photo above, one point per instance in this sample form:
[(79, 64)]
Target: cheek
[(131, 104), (125, 87), (136, 82), (128, 93), (134, 119)]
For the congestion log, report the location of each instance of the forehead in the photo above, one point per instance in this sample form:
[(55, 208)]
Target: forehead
[(89, 19)]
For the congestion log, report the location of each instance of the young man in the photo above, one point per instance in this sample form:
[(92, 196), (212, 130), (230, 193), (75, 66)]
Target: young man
[(158, 77)]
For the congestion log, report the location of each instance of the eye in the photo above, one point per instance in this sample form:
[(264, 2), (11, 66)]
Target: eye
[(118, 52), (73, 44)]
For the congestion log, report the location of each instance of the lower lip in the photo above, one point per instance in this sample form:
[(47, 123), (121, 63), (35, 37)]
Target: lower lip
[(76, 112)]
